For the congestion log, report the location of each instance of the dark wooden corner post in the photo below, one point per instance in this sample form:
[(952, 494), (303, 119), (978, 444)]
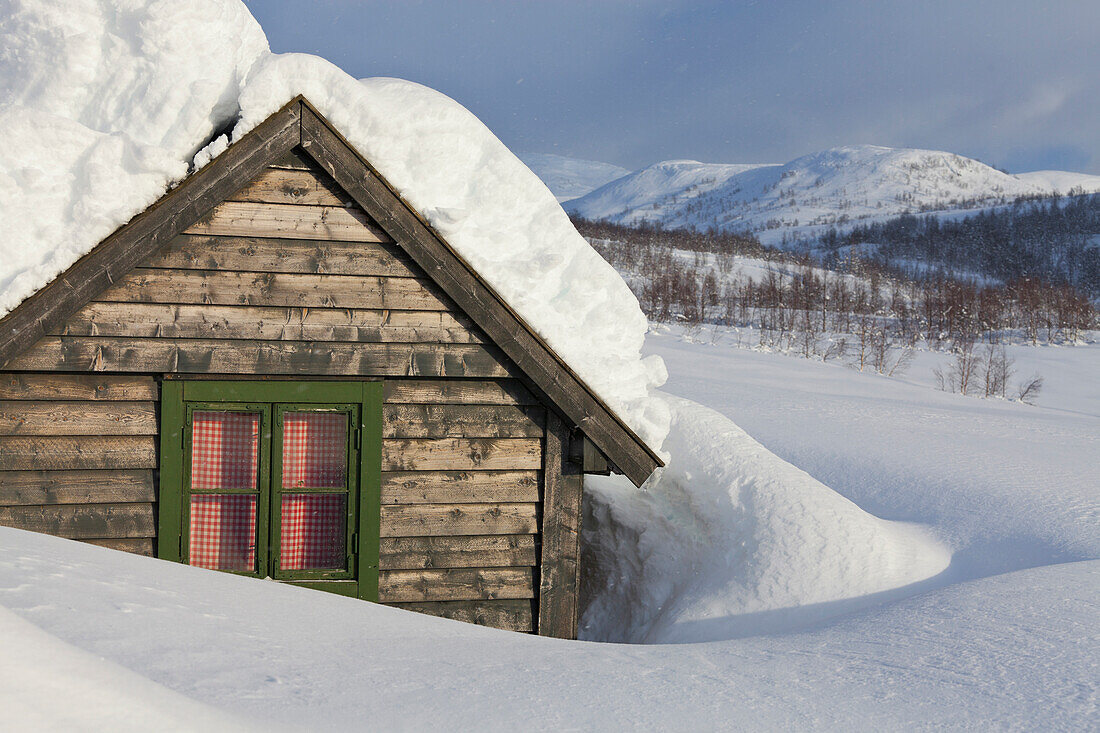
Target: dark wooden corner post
[(561, 529)]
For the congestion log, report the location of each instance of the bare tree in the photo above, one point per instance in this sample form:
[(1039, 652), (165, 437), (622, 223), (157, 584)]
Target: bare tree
[(1030, 389), (997, 369), (836, 350), (965, 366), (808, 336), (864, 340), (962, 371), (724, 260)]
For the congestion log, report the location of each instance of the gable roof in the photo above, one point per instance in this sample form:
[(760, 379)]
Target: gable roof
[(298, 123)]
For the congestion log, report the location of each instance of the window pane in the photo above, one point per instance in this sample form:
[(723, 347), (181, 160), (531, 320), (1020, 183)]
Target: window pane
[(223, 531), (224, 450), (312, 534), (315, 448)]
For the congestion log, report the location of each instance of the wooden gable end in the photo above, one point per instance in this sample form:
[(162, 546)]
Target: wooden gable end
[(214, 198), (287, 276)]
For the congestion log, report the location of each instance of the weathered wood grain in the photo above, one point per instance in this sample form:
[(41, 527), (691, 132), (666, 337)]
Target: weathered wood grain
[(458, 392), (458, 584), (592, 461), (47, 386), (237, 219), (156, 320), (119, 252), (461, 454), (75, 487), (20, 417), (19, 453), (435, 520), (83, 521), (293, 159), (134, 545), (212, 287), (459, 487), (303, 256), (559, 569), (473, 551), (213, 356), (293, 186), (507, 615), (460, 421)]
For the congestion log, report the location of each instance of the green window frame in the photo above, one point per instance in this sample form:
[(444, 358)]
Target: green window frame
[(361, 401)]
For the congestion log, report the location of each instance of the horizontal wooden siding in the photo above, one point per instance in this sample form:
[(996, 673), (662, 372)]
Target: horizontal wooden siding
[(77, 454)]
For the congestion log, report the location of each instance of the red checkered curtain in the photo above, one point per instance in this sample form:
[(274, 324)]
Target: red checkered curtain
[(223, 531), (225, 449), (315, 448), (313, 531), (224, 456), (313, 527)]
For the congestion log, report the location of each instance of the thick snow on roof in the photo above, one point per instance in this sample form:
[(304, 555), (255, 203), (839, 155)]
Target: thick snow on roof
[(105, 104)]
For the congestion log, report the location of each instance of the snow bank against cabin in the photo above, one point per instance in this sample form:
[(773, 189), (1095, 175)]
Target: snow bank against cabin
[(104, 105), (730, 541)]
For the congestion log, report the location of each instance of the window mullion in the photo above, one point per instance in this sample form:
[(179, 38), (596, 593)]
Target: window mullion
[(271, 489)]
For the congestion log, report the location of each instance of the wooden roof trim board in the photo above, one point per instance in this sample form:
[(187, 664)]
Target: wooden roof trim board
[(299, 123)]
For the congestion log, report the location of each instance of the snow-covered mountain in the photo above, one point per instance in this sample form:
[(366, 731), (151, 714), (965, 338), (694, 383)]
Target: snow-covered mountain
[(835, 187), (654, 191), (570, 178), (1061, 181)]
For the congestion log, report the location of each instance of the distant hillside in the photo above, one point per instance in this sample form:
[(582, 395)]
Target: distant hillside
[(1056, 239), (803, 199), (569, 178)]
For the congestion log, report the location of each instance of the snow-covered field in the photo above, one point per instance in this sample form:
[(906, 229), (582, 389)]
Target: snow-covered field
[(1006, 637), (1006, 485)]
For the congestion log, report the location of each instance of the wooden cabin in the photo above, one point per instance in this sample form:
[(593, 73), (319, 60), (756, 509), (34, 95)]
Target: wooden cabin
[(281, 370)]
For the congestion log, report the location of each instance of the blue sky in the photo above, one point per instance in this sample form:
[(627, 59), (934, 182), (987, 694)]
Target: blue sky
[(1015, 84)]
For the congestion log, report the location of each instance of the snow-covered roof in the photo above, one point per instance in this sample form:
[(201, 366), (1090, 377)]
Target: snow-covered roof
[(104, 109)]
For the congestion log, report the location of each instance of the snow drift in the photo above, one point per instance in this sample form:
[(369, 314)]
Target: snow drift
[(731, 540), (68, 688), (105, 103), (110, 641)]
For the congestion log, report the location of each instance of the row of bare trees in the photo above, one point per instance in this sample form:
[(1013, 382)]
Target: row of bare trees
[(789, 296), (987, 372), (863, 315)]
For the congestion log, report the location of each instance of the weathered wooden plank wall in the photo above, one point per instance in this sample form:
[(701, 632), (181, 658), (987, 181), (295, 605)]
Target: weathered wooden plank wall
[(287, 278), (77, 456)]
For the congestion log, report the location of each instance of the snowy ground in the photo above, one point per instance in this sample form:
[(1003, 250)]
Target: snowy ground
[(1006, 485), (1007, 637)]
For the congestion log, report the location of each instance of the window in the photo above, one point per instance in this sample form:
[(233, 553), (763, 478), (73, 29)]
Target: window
[(274, 479)]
